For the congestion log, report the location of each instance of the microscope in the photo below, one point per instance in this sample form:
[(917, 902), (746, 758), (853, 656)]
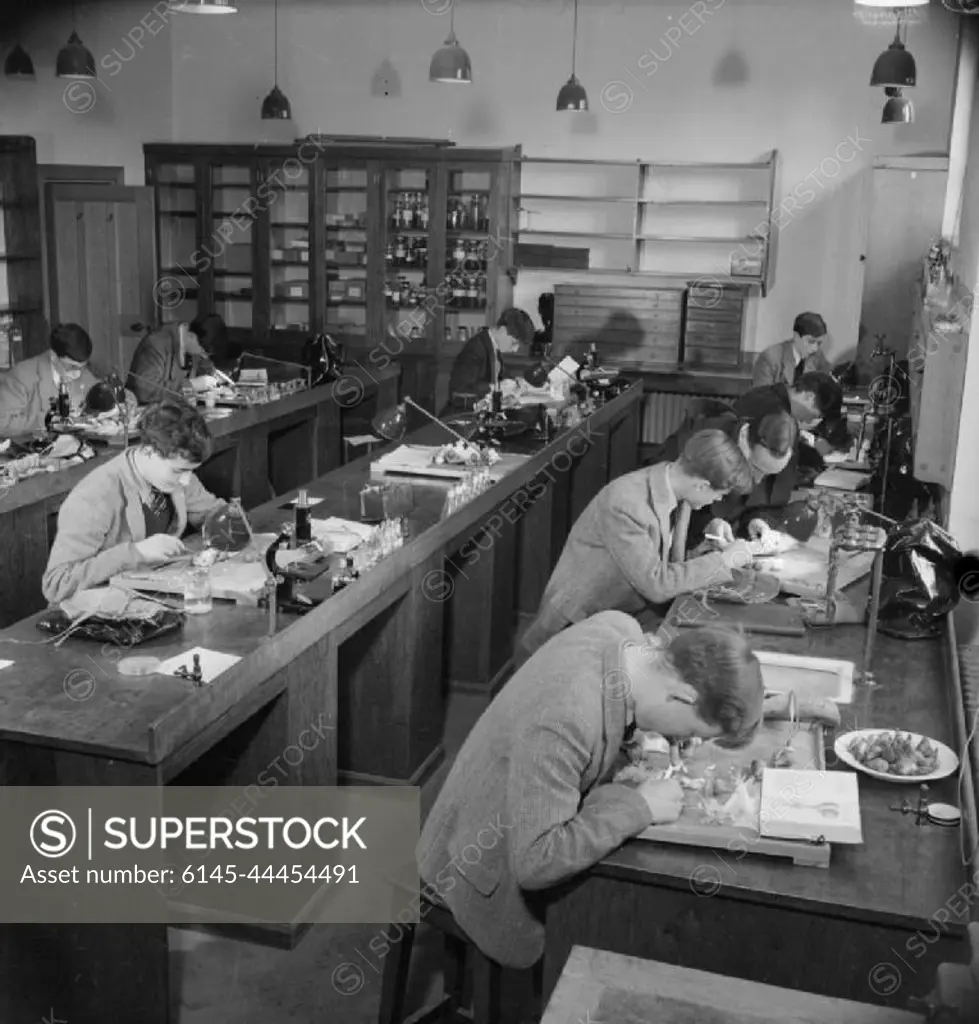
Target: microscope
[(60, 411), (310, 562)]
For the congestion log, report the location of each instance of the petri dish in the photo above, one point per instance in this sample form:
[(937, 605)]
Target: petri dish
[(139, 666)]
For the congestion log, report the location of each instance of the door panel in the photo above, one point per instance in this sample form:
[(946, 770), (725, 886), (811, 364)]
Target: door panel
[(103, 261), (905, 218)]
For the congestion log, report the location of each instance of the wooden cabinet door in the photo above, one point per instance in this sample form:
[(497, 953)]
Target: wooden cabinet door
[(102, 255)]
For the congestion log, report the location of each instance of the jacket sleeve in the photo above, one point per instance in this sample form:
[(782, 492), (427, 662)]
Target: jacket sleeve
[(147, 372), (765, 371), (15, 406), (78, 557), (469, 373), (557, 835), (200, 501), (636, 552)]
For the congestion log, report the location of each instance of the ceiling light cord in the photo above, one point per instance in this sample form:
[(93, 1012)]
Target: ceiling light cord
[(574, 41)]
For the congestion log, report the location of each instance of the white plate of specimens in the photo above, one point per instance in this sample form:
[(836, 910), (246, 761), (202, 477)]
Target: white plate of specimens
[(894, 755)]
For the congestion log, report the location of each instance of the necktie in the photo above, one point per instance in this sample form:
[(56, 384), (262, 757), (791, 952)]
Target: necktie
[(800, 369), (680, 522), (159, 503)]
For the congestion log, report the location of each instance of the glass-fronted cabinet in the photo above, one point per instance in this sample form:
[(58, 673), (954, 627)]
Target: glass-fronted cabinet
[(346, 250), (288, 257), (410, 275), (180, 259), (230, 245)]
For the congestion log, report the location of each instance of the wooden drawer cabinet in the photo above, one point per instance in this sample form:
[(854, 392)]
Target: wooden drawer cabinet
[(713, 327)]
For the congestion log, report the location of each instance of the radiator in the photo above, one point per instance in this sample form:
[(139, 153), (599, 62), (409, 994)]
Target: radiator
[(663, 412)]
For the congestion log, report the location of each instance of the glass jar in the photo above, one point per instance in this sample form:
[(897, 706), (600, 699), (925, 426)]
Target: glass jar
[(197, 591)]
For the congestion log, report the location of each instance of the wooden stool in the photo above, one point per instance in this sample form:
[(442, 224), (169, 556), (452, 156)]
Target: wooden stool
[(486, 975)]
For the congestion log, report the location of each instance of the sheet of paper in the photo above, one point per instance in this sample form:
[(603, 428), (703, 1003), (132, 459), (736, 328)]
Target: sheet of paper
[(213, 663), (841, 479), (4, 664), (805, 804), (342, 535)]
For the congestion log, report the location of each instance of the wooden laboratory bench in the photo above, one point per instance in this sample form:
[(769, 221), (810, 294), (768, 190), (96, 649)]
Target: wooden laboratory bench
[(872, 927), (598, 986), (258, 452), (366, 671)]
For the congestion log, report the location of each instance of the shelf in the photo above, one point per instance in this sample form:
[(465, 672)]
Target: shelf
[(233, 213), (178, 213), (291, 224), (289, 263), (702, 202), (408, 233), (683, 238), (689, 276), (466, 233), (346, 188), (358, 303), (576, 199), (18, 257), (573, 234), (284, 300), (176, 184)]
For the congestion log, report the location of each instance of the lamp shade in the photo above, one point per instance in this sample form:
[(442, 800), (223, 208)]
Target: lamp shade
[(536, 375), (892, 4), (451, 63), (898, 109), (275, 106), (572, 96), (204, 6), (75, 60), (18, 63), (895, 66), (391, 424)]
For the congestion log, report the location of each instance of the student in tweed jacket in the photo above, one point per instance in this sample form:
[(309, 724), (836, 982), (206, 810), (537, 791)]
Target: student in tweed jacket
[(102, 524), (529, 801), (617, 555)]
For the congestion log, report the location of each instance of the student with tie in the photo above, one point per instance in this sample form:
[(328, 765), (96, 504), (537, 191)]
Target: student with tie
[(626, 550), (131, 512), (787, 361)]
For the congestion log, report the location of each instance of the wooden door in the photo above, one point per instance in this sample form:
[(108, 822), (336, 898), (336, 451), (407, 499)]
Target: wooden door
[(101, 243), (906, 207)]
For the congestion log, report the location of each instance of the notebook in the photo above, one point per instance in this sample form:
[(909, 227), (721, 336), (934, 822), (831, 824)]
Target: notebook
[(809, 804)]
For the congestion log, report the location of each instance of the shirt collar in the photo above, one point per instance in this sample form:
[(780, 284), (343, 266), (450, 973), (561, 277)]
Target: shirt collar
[(54, 370)]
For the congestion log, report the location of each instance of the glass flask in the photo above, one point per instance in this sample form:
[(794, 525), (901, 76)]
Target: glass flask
[(226, 528)]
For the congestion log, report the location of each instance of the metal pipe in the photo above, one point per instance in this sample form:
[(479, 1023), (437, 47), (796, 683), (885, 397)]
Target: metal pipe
[(868, 650)]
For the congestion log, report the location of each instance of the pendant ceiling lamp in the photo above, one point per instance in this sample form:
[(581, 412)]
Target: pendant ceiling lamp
[(572, 95), (74, 59), (895, 66), (18, 63), (451, 63), (275, 106), (894, 5), (898, 109), (203, 6)]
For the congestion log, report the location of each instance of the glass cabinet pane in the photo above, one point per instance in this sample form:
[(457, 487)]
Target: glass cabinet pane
[(408, 194), (288, 202), (469, 249), (229, 245), (345, 204), (176, 204)]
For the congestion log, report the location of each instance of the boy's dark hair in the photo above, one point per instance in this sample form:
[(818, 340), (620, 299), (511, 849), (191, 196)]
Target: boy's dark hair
[(827, 393), (517, 324), (712, 456), (70, 341), (811, 324), (211, 333), (720, 665), (775, 431), (174, 429)]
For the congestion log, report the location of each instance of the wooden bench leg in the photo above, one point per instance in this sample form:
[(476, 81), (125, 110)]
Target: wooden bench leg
[(394, 980), (487, 983), (454, 977)]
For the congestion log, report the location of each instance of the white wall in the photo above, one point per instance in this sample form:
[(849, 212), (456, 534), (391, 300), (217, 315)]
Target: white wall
[(744, 77)]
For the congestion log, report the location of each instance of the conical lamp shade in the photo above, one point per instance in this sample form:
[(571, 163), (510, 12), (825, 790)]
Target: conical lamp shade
[(892, 4), (898, 110), (895, 66), (391, 424), (18, 63), (74, 60), (451, 63), (204, 6), (275, 106), (572, 96)]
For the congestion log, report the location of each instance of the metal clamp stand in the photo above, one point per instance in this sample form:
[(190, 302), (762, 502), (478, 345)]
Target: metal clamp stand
[(921, 811)]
